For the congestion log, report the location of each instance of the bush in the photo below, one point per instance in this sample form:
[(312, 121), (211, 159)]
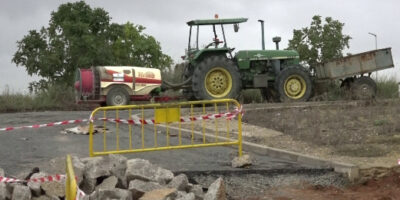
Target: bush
[(56, 97), (387, 87), (251, 96), (12, 102)]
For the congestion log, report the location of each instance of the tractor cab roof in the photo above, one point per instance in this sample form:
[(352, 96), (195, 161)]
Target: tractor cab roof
[(216, 21)]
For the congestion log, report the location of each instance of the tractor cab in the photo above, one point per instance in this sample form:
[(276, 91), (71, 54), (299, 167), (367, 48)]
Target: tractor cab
[(216, 46)]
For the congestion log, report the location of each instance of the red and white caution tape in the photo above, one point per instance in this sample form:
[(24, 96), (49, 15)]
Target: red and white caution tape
[(79, 194), (228, 115), (57, 177), (76, 121)]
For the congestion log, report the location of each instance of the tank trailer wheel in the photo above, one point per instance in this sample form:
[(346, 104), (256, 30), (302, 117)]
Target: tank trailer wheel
[(216, 78), (117, 96), (363, 88), (293, 84)]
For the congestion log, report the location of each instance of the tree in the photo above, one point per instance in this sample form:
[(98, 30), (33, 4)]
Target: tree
[(132, 47), (320, 42), (79, 36)]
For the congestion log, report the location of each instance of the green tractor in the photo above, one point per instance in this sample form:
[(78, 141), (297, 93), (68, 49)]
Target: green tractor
[(213, 72)]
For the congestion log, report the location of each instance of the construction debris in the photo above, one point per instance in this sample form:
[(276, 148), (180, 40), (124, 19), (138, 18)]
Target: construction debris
[(84, 130), (114, 177)]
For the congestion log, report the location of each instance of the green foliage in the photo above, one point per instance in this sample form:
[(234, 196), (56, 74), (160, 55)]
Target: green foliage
[(132, 47), (320, 42), (380, 122), (387, 87), (55, 97), (79, 36), (251, 96)]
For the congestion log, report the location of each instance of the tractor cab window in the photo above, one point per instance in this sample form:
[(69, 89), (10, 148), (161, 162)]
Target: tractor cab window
[(206, 37)]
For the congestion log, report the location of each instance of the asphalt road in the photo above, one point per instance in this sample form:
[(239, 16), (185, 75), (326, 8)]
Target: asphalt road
[(20, 150)]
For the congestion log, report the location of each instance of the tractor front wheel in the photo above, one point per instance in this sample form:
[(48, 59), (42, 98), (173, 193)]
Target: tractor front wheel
[(216, 78), (293, 84)]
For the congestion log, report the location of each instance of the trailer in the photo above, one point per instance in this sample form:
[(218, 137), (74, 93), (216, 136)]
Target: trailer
[(355, 70), (116, 85)]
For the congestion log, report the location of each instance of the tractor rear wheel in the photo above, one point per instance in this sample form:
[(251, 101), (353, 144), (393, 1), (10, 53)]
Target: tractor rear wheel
[(293, 85), (363, 88), (117, 96), (216, 77)]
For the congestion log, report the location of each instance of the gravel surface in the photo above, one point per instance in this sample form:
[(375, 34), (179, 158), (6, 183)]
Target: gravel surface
[(240, 185)]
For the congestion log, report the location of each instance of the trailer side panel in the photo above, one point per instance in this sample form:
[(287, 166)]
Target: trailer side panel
[(357, 64)]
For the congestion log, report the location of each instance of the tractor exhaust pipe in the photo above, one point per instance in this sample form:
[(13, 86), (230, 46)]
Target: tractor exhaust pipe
[(262, 34)]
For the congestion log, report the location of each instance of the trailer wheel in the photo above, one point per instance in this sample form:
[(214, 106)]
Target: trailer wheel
[(293, 84), (117, 96), (215, 78), (363, 88)]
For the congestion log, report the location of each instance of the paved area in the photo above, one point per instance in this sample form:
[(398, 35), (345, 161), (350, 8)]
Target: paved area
[(20, 150)]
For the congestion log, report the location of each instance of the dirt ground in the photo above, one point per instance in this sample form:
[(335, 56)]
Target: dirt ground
[(383, 188), (366, 134)]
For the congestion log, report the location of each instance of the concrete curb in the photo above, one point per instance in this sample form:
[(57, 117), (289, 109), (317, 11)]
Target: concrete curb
[(350, 170)]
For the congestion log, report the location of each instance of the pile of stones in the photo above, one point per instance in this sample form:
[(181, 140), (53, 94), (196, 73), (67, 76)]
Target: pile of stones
[(114, 177)]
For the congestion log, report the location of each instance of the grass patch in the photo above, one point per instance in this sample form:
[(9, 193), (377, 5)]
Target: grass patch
[(368, 150), (57, 97), (380, 122), (251, 96), (393, 140), (387, 87)]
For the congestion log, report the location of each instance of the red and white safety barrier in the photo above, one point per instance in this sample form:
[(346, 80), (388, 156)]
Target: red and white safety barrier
[(57, 177), (76, 121)]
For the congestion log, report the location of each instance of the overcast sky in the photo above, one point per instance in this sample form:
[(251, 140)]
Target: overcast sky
[(166, 21)]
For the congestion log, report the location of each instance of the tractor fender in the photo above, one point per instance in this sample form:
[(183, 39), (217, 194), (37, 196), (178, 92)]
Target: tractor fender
[(206, 53)]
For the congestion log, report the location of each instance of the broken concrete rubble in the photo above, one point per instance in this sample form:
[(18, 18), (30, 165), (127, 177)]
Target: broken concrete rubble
[(3, 191), (139, 187), (102, 178), (35, 186), (115, 193), (144, 170), (21, 192), (185, 196), (179, 182), (160, 194), (216, 191), (242, 161), (108, 183), (197, 190)]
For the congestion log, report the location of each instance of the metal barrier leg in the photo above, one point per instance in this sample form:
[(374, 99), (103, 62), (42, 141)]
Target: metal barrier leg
[(70, 182)]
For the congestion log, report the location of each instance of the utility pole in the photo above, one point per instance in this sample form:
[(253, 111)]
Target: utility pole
[(376, 47)]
